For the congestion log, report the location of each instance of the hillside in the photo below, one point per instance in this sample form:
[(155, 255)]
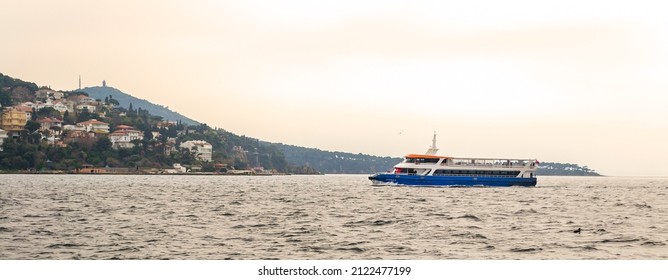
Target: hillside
[(125, 100), (336, 162)]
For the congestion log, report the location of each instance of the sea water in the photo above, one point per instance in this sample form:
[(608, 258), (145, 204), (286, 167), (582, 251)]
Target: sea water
[(328, 217)]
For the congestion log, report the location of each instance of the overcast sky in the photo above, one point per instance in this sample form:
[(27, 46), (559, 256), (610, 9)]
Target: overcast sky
[(582, 82)]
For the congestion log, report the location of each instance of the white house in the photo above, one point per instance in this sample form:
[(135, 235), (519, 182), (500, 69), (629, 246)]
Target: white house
[(202, 149), (3, 136), (42, 105), (47, 93), (123, 136), (89, 107), (82, 99), (71, 127), (57, 95), (94, 126), (48, 123), (60, 107)]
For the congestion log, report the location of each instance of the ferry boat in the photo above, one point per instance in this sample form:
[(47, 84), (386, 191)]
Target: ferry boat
[(429, 169)]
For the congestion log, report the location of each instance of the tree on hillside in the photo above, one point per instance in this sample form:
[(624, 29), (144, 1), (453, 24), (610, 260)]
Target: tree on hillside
[(69, 118), (32, 126), (47, 112), (23, 94), (84, 115), (5, 98)]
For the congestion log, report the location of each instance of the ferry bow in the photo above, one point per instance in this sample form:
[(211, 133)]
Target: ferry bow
[(429, 169)]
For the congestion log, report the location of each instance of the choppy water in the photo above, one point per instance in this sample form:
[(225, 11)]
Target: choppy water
[(327, 217)]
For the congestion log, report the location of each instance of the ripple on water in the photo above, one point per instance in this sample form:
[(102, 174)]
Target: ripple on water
[(470, 235), (526, 250), (466, 217), (653, 243), (619, 240), (64, 245)]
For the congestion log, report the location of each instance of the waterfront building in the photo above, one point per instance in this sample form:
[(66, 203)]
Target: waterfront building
[(202, 149)]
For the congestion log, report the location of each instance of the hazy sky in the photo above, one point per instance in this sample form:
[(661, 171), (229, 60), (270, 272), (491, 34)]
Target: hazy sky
[(583, 82)]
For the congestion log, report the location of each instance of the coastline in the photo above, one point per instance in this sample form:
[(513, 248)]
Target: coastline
[(145, 173)]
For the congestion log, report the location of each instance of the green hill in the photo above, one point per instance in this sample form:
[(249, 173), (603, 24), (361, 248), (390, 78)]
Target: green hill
[(125, 100), (336, 162)]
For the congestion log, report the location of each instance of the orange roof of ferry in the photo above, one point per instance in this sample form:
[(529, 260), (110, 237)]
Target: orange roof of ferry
[(424, 156)]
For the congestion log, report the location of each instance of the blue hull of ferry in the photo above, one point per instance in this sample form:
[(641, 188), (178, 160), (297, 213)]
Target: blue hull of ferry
[(451, 181)]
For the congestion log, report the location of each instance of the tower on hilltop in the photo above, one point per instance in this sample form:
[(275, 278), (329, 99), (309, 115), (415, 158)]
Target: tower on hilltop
[(79, 81), (104, 83)]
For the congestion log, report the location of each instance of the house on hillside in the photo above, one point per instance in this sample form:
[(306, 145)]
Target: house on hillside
[(84, 138), (46, 93), (82, 99), (203, 150), (48, 123), (89, 107), (61, 107), (166, 124), (71, 127), (41, 105), (26, 110), (95, 126), (3, 136), (123, 136), (43, 93), (13, 120), (170, 146)]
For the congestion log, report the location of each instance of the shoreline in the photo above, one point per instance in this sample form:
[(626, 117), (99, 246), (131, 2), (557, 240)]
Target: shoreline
[(142, 173)]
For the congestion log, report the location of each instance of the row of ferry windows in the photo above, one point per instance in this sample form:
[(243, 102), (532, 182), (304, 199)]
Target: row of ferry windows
[(464, 162), (422, 160), (475, 172)]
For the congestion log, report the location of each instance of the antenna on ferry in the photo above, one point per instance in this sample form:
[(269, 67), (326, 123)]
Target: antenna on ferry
[(432, 150)]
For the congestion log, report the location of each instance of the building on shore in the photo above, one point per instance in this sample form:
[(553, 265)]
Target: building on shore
[(202, 149)]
